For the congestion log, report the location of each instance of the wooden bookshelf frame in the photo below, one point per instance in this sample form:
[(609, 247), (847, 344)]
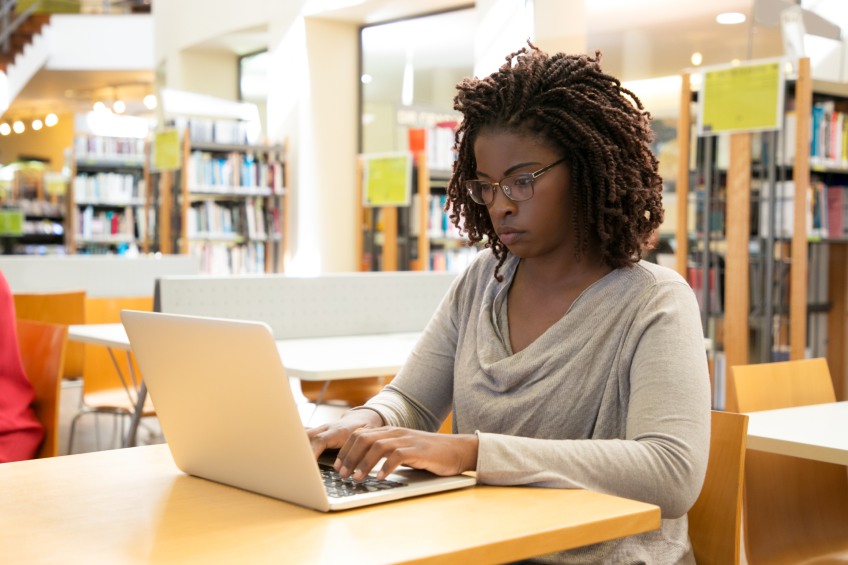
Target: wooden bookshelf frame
[(736, 322)]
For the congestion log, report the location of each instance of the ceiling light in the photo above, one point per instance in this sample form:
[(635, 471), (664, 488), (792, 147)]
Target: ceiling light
[(731, 18), (99, 106), (366, 78), (51, 120), (5, 129), (697, 58), (37, 125), (150, 101), (119, 107), (18, 127)]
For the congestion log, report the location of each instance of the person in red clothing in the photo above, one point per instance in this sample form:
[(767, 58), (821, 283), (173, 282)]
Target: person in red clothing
[(20, 432)]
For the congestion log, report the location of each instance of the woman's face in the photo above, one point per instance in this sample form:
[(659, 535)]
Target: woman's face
[(542, 225)]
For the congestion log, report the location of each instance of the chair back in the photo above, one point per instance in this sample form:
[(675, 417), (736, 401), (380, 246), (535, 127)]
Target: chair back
[(795, 510), (715, 521), (56, 308), (43, 347), (99, 371)]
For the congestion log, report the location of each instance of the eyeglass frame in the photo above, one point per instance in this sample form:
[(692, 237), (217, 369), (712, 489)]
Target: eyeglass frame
[(505, 188)]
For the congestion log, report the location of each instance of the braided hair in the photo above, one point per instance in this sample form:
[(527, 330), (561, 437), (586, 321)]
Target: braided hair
[(600, 127)]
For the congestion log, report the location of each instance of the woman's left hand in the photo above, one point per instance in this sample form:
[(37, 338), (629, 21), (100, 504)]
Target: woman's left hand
[(442, 454)]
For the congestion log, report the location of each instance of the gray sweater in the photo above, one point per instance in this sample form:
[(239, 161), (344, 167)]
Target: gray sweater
[(625, 368)]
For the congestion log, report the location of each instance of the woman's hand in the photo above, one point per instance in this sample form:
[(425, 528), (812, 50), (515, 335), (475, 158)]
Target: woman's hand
[(333, 436), (442, 454)]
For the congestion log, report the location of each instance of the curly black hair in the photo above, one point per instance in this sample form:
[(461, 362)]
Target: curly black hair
[(600, 127)]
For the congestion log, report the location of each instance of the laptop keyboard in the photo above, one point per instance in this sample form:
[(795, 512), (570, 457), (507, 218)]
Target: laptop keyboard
[(337, 487)]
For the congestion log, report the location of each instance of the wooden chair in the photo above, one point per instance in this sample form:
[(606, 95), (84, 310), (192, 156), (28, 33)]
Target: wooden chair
[(715, 521), (103, 391), (43, 349), (56, 308), (795, 510)]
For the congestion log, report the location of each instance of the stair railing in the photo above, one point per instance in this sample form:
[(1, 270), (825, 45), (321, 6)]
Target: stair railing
[(8, 25)]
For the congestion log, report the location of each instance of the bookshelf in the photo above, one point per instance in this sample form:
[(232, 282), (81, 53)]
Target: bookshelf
[(233, 199), (421, 236), (108, 209), (775, 270), (33, 211)]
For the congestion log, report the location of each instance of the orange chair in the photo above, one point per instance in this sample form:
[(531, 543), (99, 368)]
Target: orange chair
[(56, 308), (795, 510), (715, 521), (103, 389), (43, 347)]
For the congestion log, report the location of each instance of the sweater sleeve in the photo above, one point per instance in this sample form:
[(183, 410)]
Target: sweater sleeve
[(662, 458)]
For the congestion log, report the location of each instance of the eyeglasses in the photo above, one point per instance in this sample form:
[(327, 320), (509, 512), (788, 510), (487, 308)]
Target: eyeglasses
[(515, 187)]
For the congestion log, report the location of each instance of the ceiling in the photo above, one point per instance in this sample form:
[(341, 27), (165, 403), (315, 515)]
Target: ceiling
[(638, 39)]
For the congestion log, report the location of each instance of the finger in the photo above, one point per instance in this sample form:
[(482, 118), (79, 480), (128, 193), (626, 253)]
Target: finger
[(356, 458)]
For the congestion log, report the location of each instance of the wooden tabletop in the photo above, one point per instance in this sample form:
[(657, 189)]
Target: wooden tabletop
[(134, 506)]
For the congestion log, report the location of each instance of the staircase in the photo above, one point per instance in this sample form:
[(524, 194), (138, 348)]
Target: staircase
[(26, 52), (22, 37)]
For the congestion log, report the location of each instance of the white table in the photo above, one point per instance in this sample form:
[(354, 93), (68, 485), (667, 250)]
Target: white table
[(311, 359), (818, 431)]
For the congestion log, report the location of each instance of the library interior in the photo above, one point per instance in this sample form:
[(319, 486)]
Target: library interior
[(297, 167)]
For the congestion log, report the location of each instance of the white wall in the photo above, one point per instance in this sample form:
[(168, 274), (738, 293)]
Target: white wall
[(101, 42), (208, 72), (313, 102)]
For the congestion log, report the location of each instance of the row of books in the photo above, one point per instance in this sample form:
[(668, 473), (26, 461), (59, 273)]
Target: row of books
[(109, 225), (437, 143), (234, 172), (231, 220), (439, 224), (829, 136), (117, 149), (233, 132), (108, 187), (44, 208), (826, 210), (452, 260), (224, 259)]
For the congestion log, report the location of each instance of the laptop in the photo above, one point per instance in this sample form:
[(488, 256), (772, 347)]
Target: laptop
[(228, 414)]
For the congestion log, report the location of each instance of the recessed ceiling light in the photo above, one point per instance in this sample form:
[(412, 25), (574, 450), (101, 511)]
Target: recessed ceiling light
[(5, 129), (730, 18), (18, 127), (51, 120), (37, 125), (697, 58)]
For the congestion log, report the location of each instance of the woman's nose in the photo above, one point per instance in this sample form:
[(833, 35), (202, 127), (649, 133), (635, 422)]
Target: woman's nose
[(501, 204)]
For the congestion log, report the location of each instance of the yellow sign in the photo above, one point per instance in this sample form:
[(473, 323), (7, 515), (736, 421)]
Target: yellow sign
[(54, 184), (166, 150), (11, 222), (747, 97), (388, 179)]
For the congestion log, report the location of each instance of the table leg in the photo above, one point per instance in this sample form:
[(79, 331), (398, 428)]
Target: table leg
[(141, 396), (136, 415)]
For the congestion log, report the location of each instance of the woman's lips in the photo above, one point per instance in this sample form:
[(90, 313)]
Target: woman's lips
[(509, 236)]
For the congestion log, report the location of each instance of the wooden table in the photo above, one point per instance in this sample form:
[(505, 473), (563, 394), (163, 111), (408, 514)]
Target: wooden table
[(134, 506), (818, 431)]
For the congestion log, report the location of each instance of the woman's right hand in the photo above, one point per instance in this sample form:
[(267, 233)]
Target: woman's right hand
[(334, 435)]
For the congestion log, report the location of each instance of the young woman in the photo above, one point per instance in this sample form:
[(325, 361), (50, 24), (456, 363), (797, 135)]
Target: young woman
[(565, 361), (20, 431)]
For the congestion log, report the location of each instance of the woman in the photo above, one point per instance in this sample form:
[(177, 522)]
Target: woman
[(566, 361), (20, 431)]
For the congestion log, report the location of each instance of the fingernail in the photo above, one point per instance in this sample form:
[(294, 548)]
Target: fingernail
[(343, 471), (337, 464)]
